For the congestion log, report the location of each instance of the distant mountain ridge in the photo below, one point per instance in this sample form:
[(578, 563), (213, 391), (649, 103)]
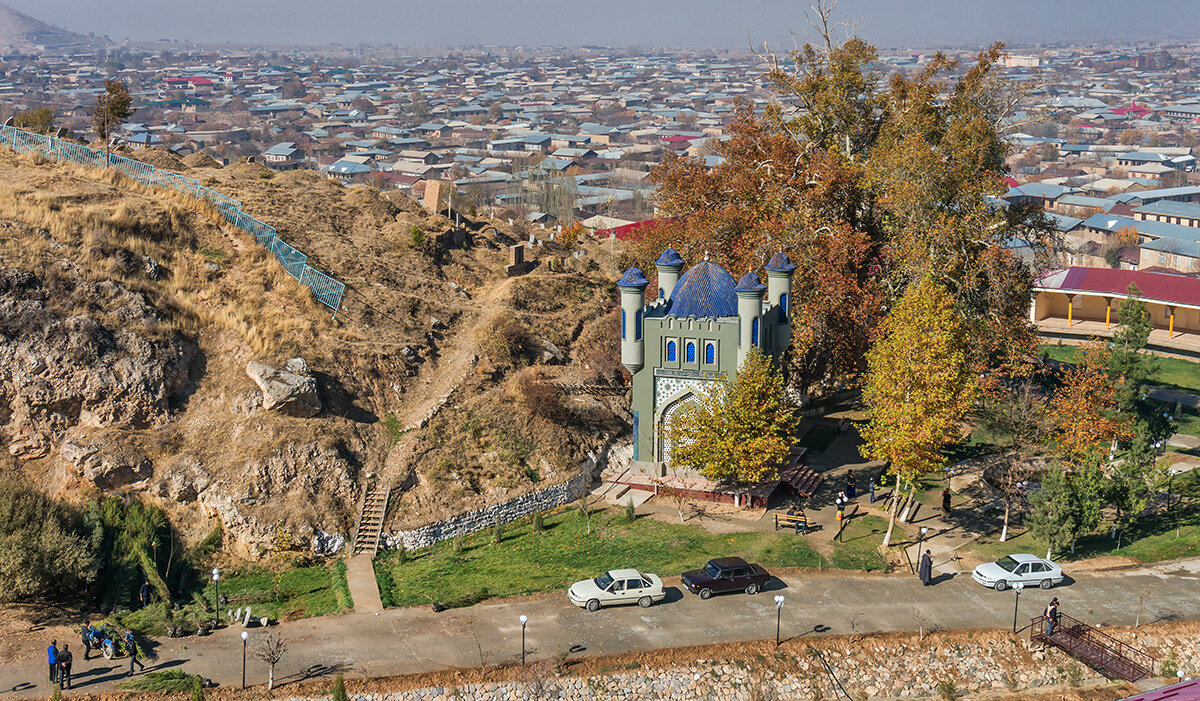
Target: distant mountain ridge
[(22, 32)]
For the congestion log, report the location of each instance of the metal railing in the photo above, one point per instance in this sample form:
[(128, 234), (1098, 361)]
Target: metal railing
[(326, 289), (1098, 649)]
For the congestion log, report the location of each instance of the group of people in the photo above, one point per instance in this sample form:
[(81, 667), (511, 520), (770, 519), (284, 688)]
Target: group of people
[(60, 659)]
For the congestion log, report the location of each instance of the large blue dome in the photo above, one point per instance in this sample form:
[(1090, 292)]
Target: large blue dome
[(704, 291)]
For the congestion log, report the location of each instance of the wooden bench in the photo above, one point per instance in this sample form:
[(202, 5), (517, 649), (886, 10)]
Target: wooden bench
[(797, 523)]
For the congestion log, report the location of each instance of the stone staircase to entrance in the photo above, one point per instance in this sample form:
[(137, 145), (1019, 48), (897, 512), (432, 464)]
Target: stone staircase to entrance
[(619, 488), (369, 533)]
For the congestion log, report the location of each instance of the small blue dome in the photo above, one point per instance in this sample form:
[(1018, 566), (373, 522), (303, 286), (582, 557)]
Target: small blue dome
[(779, 263), (704, 291), (669, 259), (750, 283), (633, 278)]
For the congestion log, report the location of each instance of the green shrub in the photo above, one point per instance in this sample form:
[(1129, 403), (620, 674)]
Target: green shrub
[(538, 524), (394, 429), (630, 512), (197, 689), (45, 550), (175, 680), (497, 532), (416, 237), (339, 689), (458, 543)]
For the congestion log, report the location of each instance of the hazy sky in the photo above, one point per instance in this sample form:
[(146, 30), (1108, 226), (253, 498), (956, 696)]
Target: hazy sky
[(725, 23)]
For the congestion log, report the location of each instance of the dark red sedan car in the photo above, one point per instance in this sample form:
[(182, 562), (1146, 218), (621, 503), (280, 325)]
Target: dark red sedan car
[(725, 574)]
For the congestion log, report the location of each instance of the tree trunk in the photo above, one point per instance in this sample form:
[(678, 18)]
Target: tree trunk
[(908, 503), (1004, 530), (887, 537), (271, 677)]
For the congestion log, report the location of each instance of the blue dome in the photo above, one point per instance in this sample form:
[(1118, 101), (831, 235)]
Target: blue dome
[(779, 263), (633, 278), (704, 291), (750, 283), (669, 259)]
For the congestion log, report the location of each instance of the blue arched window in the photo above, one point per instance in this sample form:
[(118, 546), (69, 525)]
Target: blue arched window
[(691, 352), (624, 333), (670, 351), (710, 353), (754, 331), (783, 304)]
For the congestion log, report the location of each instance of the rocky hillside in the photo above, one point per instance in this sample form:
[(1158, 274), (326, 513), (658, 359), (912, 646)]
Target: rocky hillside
[(20, 31), (148, 349)]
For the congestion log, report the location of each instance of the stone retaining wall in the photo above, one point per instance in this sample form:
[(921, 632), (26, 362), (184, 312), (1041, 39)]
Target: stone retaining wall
[(482, 519), (875, 667)]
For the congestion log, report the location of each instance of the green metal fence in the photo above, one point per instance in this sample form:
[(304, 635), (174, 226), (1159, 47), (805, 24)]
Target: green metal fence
[(326, 289)]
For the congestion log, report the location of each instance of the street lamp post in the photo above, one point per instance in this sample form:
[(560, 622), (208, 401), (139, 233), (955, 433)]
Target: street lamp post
[(778, 615), (245, 637), (216, 597), (524, 620), (1170, 482), (1017, 587)]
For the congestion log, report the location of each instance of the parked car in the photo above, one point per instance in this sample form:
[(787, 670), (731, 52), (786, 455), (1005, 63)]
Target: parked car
[(725, 574), (617, 587), (1029, 570)]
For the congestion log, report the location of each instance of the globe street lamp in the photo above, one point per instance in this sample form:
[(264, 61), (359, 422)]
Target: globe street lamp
[(524, 619), (245, 637), (778, 614), (1017, 587), (216, 597)]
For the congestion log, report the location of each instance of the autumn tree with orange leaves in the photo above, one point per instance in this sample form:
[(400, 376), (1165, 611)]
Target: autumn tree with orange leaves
[(1084, 409), (868, 190)]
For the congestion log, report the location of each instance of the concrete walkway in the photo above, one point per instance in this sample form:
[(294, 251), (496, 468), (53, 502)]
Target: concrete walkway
[(364, 588), (400, 641)]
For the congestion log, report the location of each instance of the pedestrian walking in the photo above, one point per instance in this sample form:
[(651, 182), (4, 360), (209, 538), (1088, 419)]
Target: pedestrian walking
[(64, 667), (144, 593), (1051, 616), (86, 637), (52, 658), (925, 569), (851, 485), (871, 486), (132, 648), (946, 501)]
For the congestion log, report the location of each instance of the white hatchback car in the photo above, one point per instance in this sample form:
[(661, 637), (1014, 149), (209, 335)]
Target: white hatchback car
[(1029, 570), (617, 587)]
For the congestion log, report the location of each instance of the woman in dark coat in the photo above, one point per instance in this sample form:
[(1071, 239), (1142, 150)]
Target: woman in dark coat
[(925, 569)]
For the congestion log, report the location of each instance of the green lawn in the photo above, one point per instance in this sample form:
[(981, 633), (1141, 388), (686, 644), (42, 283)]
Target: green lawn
[(860, 541), (1173, 373), (298, 592), (1153, 538), (528, 561)]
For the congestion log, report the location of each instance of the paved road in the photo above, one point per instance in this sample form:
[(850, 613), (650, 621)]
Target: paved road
[(400, 641)]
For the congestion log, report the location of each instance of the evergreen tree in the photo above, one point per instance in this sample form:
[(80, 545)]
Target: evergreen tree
[(737, 431), (1055, 517), (1128, 364), (339, 689)]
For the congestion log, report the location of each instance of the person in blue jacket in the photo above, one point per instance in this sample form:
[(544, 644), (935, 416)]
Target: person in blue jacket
[(52, 658)]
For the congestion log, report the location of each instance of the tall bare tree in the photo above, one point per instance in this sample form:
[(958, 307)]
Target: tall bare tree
[(271, 650)]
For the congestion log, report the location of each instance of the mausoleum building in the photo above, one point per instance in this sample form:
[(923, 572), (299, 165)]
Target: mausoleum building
[(700, 328)]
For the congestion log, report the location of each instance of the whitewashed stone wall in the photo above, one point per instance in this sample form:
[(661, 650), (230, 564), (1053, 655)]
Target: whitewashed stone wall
[(482, 519)]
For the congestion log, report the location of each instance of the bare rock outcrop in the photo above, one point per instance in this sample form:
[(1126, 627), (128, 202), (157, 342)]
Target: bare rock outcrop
[(106, 366), (105, 465), (291, 390), (302, 488)]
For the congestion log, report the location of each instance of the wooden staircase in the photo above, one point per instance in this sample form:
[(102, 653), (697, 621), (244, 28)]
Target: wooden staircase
[(370, 521), (1101, 652), (797, 477)]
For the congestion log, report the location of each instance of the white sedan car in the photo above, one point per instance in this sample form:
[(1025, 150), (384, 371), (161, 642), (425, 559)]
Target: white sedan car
[(617, 587), (1029, 570)]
